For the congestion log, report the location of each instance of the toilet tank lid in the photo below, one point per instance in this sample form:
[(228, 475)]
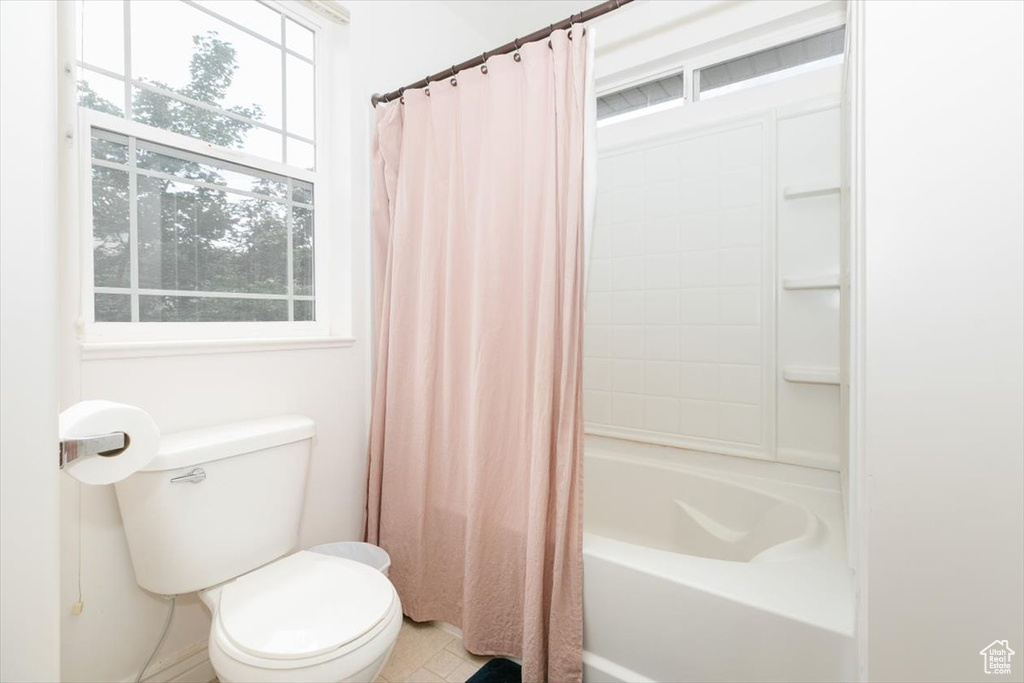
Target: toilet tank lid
[(196, 446)]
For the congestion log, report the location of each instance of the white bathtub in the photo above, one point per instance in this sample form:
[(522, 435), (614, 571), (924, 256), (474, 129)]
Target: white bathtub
[(708, 568)]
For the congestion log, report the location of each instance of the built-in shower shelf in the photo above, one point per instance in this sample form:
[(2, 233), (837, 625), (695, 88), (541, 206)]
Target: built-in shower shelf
[(810, 189), (811, 375), (825, 281)]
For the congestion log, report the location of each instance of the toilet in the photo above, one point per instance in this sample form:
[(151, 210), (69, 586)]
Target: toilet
[(217, 512)]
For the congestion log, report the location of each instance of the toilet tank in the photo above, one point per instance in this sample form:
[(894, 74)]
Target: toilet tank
[(216, 503)]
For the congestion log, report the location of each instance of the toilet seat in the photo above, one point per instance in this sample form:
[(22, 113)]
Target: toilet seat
[(305, 610), (303, 606)]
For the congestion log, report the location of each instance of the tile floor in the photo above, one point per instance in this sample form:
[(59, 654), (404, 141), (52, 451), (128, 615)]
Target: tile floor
[(426, 653)]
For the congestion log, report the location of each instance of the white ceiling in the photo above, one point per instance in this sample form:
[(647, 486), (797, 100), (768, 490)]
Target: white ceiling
[(502, 20)]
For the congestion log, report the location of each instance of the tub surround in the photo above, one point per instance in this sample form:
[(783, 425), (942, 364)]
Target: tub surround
[(706, 568)]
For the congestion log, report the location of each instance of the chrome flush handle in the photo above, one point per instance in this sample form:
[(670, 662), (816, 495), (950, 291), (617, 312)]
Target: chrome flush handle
[(194, 477)]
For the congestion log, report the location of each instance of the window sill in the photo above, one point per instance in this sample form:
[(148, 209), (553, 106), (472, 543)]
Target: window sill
[(93, 350)]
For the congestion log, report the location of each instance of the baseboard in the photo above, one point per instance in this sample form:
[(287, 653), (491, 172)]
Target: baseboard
[(191, 665)]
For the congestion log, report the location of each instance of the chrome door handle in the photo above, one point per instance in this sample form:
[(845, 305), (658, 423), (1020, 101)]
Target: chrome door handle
[(194, 477)]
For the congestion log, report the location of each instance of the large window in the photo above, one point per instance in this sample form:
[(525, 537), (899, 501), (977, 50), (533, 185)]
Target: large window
[(200, 121)]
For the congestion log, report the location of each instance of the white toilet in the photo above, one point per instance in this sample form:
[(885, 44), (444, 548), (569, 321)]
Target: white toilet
[(218, 512)]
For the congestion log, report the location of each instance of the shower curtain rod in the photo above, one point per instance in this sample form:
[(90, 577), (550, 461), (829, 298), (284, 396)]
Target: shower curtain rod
[(578, 18)]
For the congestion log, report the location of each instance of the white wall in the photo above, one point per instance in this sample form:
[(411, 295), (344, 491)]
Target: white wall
[(410, 39), (29, 636), (944, 343), (500, 21), (391, 44)]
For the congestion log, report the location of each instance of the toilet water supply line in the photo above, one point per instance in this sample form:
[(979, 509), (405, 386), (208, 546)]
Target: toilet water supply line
[(163, 634)]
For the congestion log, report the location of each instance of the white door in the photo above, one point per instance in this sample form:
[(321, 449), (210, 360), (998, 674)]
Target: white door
[(29, 502)]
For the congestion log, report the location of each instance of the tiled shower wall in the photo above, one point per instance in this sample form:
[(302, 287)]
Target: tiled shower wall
[(712, 316), (676, 295)]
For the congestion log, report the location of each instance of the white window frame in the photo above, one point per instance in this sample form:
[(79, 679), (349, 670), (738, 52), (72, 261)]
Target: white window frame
[(690, 62), (331, 230)]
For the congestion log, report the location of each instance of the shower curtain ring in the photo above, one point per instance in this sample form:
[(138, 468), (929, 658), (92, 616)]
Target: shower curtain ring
[(453, 81), (483, 66), (401, 95), (551, 31), (516, 56), (426, 88), (573, 20)]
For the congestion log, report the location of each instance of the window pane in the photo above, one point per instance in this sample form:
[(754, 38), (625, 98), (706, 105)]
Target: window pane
[(162, 159), (750, 69), (300, 97), (253, 15), (101, 93), (110, 228), (302, 248), (302, 192), (298, 38), (101, 41), (304, 311), (113, 308), (162, 111), (109, 147), (182, 48), (641, 96), (210, 309), (194, 238), (300, 154)]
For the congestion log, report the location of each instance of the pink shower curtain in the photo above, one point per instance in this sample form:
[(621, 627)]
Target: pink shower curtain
[(475, 481)]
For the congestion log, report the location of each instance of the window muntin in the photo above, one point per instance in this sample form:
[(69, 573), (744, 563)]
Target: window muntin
[(179, 237), (221, 72)]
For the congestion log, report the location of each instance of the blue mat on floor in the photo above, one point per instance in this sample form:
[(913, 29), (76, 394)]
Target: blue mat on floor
[(498, 671)]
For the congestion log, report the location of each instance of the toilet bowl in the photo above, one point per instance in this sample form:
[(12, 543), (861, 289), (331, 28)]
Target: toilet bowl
[(304, 618), (218, 512)]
